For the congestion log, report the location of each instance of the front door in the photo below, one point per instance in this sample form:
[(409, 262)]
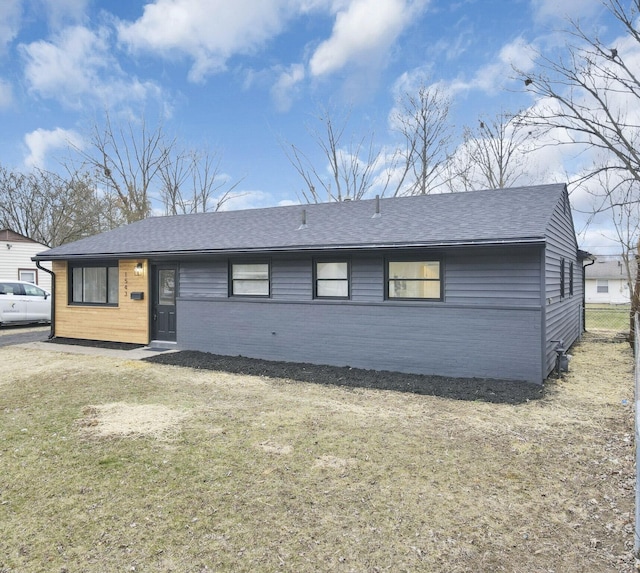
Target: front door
[(164, 302)]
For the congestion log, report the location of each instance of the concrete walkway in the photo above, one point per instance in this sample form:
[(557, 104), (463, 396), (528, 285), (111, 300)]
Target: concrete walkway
[(135, 354)]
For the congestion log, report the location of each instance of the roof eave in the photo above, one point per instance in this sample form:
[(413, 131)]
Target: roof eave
[(294, 248)]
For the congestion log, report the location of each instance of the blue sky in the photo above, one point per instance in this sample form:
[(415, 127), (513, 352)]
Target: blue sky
[(241, 77)]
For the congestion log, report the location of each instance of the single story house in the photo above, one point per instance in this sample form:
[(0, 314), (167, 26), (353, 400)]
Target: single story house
[(606, 282), (16, 253), (478, 284)]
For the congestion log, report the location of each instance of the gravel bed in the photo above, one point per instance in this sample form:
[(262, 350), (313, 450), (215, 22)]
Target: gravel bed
[(482, 389)]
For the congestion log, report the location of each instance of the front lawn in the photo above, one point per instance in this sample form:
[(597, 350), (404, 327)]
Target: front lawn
[(110, 465)]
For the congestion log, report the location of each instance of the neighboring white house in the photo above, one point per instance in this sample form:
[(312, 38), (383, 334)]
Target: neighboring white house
[(16, 251), (606, 282)]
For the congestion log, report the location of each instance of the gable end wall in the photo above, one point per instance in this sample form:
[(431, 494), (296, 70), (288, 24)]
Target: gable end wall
[(563, 315)]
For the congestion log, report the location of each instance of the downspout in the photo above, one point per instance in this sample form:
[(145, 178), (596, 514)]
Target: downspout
[(53, 298)]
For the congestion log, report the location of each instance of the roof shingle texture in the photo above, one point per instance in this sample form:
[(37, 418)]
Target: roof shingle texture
[(506, 215), (609, 269)]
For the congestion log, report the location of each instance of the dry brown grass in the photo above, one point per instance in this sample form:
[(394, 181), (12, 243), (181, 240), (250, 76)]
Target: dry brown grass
[(120, 420), (195, 471)]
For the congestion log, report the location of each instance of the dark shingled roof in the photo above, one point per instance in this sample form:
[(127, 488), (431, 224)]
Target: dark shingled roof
[(481, 217)]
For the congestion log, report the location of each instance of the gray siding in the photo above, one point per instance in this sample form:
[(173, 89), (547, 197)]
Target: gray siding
[(291, 279), (419, 338), (494, 277), (204, 279), (489, 324), (562, 319), (367, 278)]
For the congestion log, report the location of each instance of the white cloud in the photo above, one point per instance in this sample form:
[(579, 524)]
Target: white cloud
[(248, 199), (493, 77), (78, 69), (208, 31), (545, 10), (42, 141), (283, 90), (10, 15), (363, 32), (6, 94), (412, 80), (64, 10)]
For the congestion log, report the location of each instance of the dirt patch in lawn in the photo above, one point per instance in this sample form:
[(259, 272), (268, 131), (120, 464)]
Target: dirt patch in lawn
[(272, 447), (482, 389), (118, 420)]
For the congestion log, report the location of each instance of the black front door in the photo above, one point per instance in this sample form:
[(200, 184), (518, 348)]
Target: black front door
[(164, 302)]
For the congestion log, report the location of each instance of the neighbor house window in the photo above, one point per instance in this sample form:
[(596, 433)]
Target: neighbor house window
[(332, 279), (562, 291), (94, 284), (414, 279), (28, 275), (250, 279), (602, 286)]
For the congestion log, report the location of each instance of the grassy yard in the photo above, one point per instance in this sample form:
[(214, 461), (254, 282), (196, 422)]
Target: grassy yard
[(607, 317), (109, 465)]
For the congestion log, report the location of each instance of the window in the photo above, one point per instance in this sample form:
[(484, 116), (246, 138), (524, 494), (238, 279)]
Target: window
[(28, 275), (94, 283), (332, 279), (414, 279), (562, 291), (602, 286), (250, 279), (571, 278)]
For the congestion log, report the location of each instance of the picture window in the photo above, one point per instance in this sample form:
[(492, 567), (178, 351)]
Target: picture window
[(414, 280), (94, 284)]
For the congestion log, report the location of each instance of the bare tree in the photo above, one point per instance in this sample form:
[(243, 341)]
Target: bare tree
[(591, 97), (350, 167), (51, 209), (620, 204), (127, 162), (192, 183), (493, 155), (422, 119)]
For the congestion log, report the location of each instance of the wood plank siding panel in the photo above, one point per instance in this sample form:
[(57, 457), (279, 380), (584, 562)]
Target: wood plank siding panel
[(127, 322), (430, 339), (563, 317)]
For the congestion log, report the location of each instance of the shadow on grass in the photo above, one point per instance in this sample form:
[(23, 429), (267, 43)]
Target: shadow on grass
[(470, 389)]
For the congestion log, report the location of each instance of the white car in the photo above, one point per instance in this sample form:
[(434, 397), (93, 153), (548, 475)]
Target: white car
[(21, 301)]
